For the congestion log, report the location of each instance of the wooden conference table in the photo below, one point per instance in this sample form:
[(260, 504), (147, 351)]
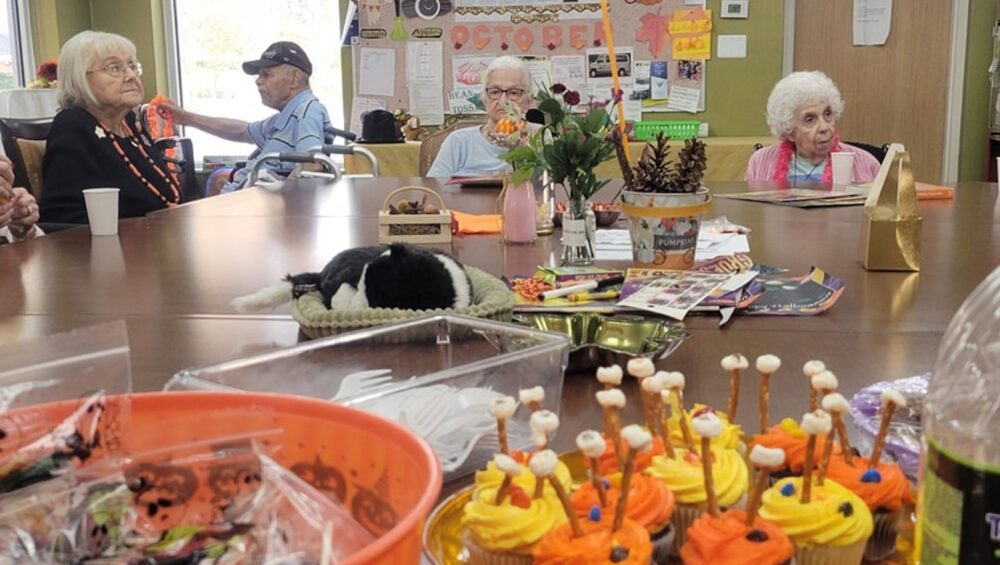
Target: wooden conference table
[(171, 275)]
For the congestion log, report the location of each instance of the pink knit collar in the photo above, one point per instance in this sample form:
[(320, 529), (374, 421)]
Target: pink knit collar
[(786, 152)]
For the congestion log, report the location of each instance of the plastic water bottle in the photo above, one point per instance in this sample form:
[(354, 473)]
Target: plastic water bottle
[(959, 505)]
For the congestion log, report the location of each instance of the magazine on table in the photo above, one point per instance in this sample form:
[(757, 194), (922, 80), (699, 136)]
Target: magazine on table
[(806, 295), (805, 197)]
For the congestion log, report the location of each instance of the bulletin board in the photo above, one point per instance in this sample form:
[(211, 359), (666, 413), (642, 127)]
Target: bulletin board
[(428, 55)]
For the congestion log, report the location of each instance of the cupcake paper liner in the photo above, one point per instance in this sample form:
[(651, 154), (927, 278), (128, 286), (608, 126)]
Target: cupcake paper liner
[(830, 555), (478, 555), (882, 544), (663, 543)]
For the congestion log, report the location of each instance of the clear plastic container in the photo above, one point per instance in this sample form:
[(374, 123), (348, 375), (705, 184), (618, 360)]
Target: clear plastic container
[(959, 506), (435, 374)]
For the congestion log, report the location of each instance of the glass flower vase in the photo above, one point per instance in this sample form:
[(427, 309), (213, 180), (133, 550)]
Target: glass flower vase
[(579, 224), (545, 205), (519, 211)]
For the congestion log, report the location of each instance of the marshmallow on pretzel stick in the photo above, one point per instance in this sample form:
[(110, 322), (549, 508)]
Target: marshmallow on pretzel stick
[(766, 366), (837, 406), (891, 400), (765, 460), (811, 369), (510, 469), (639, 441), (592, 445), (708, 426), (734, 364), (813, 424), (543, 466), (642, 369), (611, 401), (533, 397), (543, 423), (502, 408), (610, 377), (651, 388), (674, 388), (822, 384)]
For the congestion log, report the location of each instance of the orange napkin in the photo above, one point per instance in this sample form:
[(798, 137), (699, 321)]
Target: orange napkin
[(477, 223)]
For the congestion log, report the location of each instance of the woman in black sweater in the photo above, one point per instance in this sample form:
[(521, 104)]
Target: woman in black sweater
[(96, 140)]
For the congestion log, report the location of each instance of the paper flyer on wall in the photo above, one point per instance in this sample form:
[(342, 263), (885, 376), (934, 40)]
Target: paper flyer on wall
[(425, 73), (599, 81), (373, 80), (570, 70)]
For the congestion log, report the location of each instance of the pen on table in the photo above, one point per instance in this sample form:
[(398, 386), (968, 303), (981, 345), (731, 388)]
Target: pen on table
[(586, 296), (582, 287)]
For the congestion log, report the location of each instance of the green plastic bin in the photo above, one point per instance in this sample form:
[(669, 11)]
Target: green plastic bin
[(674, 129)]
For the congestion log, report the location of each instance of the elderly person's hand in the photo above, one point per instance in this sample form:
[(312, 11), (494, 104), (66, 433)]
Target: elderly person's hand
[(169, 109), (24, 213)]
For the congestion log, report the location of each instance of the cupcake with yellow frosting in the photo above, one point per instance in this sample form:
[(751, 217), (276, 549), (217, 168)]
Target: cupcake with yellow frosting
[(827, 523), (501, 525), (681, 470), (882, 486), (736, 537)]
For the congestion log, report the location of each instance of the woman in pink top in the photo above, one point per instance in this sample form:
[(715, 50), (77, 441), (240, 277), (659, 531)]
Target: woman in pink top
[(802, 112)]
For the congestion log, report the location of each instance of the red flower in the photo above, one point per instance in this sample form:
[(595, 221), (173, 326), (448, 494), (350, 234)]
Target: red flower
[(47, 70), (571, 97), (558, 88), (616, 95)]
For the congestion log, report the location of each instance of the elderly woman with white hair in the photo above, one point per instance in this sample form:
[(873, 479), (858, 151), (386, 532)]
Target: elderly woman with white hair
[(802, 112), (96, 139), (471, 151)]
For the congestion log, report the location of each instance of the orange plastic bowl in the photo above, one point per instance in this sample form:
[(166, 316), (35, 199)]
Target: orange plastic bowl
[(385, 475)]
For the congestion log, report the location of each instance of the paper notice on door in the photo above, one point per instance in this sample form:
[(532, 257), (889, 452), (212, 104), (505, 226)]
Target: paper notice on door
[(374, 80), (427, 102), (872, 21)]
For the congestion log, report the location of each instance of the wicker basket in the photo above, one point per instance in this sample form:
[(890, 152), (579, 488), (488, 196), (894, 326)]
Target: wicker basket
[(414, 228), (490, 299)]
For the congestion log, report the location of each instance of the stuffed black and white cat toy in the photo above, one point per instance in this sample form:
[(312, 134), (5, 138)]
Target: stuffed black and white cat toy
[(393, 276)]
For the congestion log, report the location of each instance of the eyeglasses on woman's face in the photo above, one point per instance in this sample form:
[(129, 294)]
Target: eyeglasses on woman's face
[(513, 94), (117, 69)]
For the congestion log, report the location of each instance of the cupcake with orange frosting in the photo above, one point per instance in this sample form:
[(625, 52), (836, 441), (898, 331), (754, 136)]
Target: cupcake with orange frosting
[(736, 537), (882, 486), (827, 523), (501, 525), (598, 540), (598, 545), (650, 503), (789, 437)]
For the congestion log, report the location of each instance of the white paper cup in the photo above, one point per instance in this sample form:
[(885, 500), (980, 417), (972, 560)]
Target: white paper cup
[(102, 210), (843, 164)]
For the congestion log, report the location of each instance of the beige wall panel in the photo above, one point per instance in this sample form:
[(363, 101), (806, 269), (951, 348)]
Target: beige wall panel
[(894, 92)]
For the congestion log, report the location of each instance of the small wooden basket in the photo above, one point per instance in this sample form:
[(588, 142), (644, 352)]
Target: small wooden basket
[(414, 228)]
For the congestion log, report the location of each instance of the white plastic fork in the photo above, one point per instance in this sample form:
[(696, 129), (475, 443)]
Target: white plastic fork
[(361, 381)]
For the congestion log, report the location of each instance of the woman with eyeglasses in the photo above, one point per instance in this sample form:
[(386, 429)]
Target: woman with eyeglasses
[(96, 139), (471, 152)]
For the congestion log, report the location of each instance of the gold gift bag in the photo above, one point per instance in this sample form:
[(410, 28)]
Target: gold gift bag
[(890, 230)]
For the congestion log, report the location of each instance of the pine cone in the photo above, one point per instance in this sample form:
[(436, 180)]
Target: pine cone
[(653, 170), (690, 167)]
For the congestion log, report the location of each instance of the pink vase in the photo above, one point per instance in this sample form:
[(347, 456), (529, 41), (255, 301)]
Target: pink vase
[(519, 213)]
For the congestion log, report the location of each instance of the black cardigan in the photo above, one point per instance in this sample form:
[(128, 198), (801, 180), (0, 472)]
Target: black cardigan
[(77, 157)]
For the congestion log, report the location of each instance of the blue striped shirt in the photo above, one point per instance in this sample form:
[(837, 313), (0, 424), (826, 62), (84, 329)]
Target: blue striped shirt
[(301, 125)]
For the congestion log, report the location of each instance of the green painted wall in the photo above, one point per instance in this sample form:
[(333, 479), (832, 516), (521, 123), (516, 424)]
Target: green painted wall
[(55, 21), (736, 90), (142, 22), (976, 96)]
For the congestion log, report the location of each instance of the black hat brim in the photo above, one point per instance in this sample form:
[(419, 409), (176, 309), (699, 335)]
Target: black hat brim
[(254, 67)]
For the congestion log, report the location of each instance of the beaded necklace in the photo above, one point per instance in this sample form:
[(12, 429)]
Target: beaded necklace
[(171, 182)]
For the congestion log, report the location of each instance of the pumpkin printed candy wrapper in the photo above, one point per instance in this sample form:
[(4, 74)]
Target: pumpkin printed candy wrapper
[(78, 518)]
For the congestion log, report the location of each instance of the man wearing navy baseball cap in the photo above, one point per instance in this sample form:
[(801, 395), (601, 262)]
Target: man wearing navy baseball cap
[(302, 122)]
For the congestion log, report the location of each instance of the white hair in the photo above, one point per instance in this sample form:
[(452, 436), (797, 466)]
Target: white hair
[(77, 56), (512, 63), (798, 89)]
